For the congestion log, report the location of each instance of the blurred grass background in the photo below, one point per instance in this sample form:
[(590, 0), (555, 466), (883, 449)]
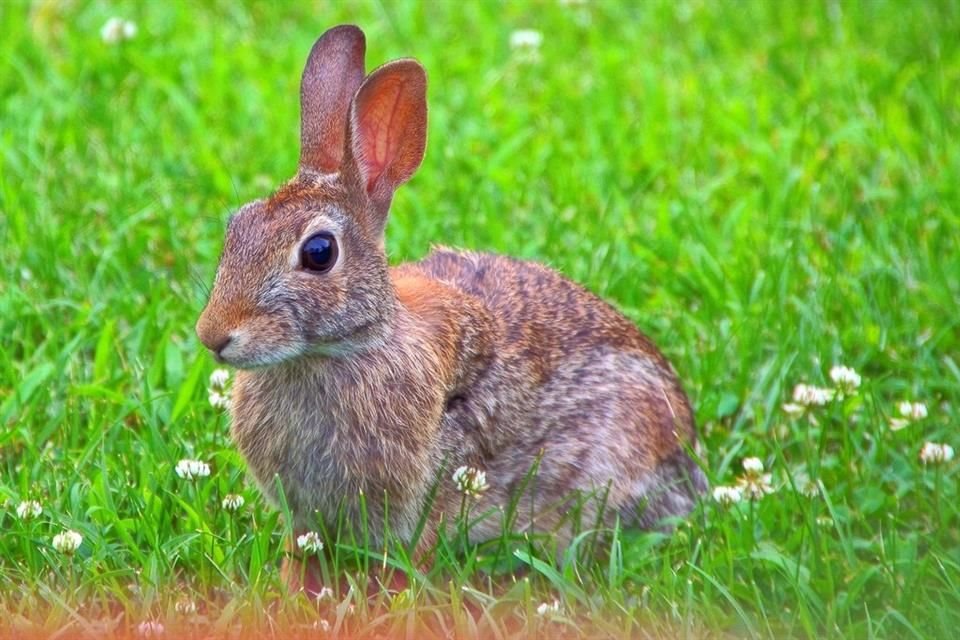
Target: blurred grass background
[(766, 188)]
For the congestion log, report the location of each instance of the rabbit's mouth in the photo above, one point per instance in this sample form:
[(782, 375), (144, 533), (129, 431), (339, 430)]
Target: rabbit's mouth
[(244, 351), (240, 355)]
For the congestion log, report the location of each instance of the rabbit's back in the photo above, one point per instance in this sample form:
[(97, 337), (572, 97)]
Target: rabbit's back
[(572, 383), (535, 305)]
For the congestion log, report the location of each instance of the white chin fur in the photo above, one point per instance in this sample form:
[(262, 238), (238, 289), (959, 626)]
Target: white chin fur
[(242, 354)]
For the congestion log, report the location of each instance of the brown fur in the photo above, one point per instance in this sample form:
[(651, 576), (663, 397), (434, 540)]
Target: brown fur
[(376, 381)]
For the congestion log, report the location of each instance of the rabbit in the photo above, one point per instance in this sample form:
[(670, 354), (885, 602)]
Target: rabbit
[(362, 387)]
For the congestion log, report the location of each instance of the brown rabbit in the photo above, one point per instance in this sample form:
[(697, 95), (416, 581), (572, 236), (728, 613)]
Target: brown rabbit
[(360, 378)]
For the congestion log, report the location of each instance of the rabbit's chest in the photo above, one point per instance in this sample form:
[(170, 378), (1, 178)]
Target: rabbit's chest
[(329, 440)]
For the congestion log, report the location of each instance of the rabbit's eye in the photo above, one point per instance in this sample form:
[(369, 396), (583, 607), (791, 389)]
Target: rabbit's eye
[(319, 252)]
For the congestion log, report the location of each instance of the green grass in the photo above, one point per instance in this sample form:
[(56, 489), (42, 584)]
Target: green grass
[(766, 188)]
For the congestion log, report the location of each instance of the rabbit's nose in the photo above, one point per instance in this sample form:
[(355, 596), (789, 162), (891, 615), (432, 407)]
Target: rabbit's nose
[(218, 348), (212, 338)]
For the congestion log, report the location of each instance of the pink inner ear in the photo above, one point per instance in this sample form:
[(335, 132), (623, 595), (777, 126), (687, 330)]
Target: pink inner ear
[(379, 121)]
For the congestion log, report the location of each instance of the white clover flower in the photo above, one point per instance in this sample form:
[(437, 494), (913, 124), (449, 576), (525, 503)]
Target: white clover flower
[(756, 486), (185, 606), (29, 509), (909, 412), (218, 400), (310, 542), (232, 502), (548, 609), (935, 453), (219, 379), (752, 465), (191, 469), (793, 409), (754, 483), (115, 30), (846, 379), (805, 397), (805, 486), (727, 495), (825, 521), (67, 542), (526, 39), (912, 410), (810, 396), (218, 392), (525, 44), (470, 482), (150, 629)]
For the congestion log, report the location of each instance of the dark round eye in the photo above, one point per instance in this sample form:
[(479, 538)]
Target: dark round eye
[(319, 252)]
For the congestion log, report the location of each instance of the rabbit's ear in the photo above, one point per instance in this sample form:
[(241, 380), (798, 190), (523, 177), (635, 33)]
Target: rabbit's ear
[(334, 71), (388, 129)]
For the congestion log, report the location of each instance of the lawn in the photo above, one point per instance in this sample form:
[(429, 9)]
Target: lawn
[(768, 189)]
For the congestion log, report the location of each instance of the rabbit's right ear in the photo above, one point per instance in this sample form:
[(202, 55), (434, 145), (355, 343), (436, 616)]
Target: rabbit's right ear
[(388, 132), (332, 76)]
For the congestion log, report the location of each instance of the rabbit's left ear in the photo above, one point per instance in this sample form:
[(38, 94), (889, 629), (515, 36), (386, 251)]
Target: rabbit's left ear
[(388, 130), (330, 79)]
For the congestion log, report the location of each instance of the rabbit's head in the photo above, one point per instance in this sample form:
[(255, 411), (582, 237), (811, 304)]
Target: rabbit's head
[(304, 271)]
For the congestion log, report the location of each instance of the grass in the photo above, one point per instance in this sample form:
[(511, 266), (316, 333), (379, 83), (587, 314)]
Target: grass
[(766, 188)]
